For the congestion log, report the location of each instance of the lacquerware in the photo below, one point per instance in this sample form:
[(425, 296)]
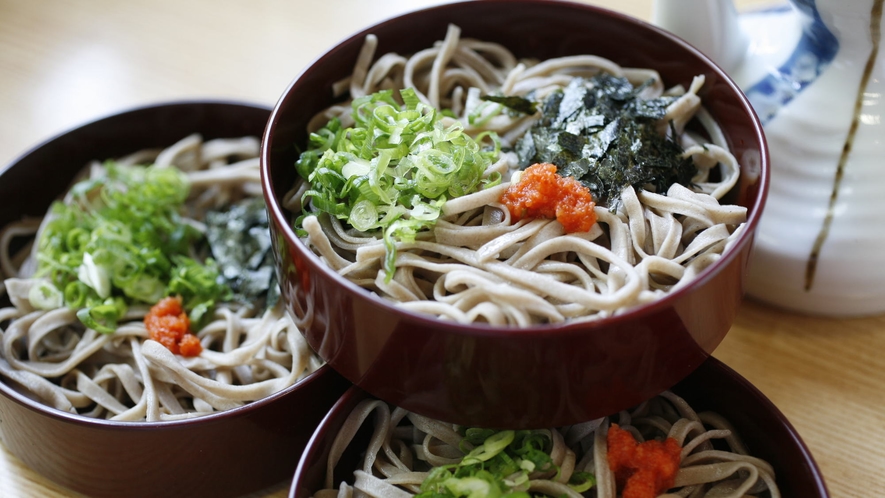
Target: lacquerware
[(498, 377), (714, 386), (225, 454)]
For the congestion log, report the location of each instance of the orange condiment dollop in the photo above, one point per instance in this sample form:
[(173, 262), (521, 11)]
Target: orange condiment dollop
[(642, 470), (168, 324), (542, 193)]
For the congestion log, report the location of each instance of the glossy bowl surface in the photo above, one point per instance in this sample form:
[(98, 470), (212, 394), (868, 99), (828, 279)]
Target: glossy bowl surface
[(713, 386), (225, 454), (505, 377)]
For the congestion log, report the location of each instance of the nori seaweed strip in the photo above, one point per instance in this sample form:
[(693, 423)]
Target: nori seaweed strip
[(240, 242), (514, 103), (600, 132)]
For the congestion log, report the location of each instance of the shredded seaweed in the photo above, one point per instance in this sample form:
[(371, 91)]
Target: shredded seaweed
[(601, 132), (240, 241), (515, 103)]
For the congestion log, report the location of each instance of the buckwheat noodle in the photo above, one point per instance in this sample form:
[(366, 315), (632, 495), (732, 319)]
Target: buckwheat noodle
[(404, 446), (476, 265), (248, 353)]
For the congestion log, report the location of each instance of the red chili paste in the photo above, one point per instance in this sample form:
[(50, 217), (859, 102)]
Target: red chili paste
[(642, 470), (168, 324), (542, 193)]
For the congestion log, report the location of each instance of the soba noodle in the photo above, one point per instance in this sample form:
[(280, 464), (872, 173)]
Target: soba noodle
[(478, 265), (249, 352), (404, 448)]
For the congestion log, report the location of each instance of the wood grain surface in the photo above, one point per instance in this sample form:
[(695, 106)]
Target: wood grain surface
[(65, 62)]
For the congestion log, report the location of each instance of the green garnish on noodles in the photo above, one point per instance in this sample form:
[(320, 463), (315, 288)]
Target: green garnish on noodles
[(394, 169), (498, 466), (121, 240)]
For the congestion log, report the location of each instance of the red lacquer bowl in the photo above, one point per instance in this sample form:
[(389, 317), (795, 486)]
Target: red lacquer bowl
[(712, 387), (230, 453), (505, 377)]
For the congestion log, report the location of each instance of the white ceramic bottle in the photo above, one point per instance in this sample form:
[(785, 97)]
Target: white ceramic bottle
[(815, 73)]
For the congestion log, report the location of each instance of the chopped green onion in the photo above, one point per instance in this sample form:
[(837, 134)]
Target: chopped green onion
[(493, 445), (121, 240), (103, 317), (498, 466), (582, 481), (394, 169), (471, 487), (45, 296), (94, 276)]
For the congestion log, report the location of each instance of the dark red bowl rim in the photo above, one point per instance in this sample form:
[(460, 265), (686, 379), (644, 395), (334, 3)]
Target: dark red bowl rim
[(714, 365), (129, 109), (277, 212), (13, 394), (77, 419)]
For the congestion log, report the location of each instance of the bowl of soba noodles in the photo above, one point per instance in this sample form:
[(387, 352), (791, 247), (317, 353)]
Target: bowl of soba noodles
[(513, 214), (144, 350), (712, 434)]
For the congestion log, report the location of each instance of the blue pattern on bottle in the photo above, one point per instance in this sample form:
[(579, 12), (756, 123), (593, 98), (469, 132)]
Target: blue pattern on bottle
[(817, 47)]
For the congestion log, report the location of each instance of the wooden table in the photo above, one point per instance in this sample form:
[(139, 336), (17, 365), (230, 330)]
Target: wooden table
[(63, 63)]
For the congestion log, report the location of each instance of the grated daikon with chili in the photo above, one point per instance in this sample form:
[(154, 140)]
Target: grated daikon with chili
[(542, 193), (642, 470), (168, 324)]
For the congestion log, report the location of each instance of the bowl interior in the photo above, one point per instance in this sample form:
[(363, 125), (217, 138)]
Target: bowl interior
[(224, 454), (462, 373), (713, 386), (530, 29), (39, 176)]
